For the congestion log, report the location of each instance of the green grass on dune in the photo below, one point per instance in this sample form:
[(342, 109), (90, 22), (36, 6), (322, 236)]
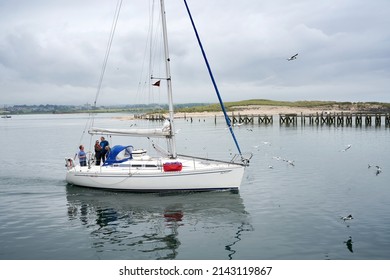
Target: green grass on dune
[(232, 106)]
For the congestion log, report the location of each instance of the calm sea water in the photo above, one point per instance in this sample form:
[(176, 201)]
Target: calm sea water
[(282, 211)]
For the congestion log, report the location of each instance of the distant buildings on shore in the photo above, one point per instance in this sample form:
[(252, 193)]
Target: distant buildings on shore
[(35, 109), (63, 109)]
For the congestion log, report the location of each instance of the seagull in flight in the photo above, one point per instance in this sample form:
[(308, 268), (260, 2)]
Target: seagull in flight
[(349, 217), (292, 57), (378, 170), (347, 148)]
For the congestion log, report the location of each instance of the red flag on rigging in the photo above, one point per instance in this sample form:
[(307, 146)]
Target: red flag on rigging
[(157, 84)]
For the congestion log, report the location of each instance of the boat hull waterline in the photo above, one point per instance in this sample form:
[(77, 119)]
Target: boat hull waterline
[(215, 177)]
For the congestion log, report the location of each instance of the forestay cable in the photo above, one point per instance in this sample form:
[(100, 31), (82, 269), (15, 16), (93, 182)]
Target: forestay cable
[(228, 122)]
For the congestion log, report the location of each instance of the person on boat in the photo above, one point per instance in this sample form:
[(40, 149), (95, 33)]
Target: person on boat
[(108, 150), (103, 143), (98, 152), (82, 156)]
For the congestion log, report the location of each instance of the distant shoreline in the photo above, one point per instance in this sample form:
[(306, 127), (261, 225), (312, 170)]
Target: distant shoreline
[(261, 110), (245, 107), (288, 108), (271, 111)]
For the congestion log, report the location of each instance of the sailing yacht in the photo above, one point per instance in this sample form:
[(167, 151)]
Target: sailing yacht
[(130, 169)]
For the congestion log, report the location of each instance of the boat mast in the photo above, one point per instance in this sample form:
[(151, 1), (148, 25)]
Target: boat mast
[(171, 138)]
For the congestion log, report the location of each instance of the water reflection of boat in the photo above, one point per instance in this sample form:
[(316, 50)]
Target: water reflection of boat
[(148, 226)]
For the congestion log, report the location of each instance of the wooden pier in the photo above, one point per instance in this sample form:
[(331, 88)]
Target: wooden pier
[(336, 119), (246, 119), (288, 119), (242, 119), (150, 117)]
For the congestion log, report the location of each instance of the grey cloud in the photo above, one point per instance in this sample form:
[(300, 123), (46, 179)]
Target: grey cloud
[(53, 51)]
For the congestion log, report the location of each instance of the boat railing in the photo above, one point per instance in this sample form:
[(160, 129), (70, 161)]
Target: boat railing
[(242, 159), (234, 161)]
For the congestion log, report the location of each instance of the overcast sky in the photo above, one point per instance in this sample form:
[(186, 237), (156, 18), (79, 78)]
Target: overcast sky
[(51, 52)]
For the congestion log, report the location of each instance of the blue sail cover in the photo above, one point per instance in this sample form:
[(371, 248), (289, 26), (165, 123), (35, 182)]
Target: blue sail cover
[(114, 152)]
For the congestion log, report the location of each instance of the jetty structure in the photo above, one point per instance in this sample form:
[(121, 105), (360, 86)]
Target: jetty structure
[(338, 119), (288, 119), (285, 113)]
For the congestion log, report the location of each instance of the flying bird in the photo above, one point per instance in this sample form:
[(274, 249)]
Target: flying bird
[(347, 148), (291, 162), (292, 57), (378, 170), (349, 217)]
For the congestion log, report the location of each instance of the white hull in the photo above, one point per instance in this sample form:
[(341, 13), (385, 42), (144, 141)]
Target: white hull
[(196, 175)]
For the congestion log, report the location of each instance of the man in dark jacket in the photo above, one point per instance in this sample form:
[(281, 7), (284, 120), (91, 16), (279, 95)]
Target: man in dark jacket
[(105, 147)]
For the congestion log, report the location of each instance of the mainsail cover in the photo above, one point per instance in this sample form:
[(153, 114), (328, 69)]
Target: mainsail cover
[(164, 131)]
